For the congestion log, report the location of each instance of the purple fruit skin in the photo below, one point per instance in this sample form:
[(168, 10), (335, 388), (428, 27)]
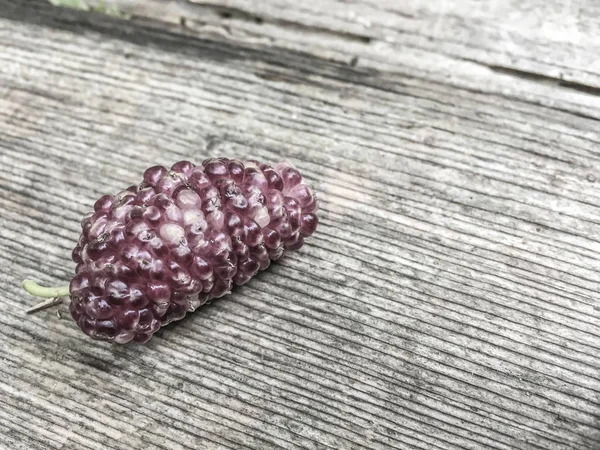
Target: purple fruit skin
[(154, 252)]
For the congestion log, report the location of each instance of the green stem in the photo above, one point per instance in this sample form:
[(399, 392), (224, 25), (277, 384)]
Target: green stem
[(39, 291)]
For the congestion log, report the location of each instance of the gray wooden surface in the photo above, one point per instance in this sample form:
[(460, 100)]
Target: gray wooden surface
[(450, 297)]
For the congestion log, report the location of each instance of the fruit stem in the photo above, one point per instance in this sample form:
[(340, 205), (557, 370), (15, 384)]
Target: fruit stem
[(39, 291)]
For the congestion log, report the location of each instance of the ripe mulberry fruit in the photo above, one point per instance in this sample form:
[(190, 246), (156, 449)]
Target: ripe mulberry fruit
[(154, 252)]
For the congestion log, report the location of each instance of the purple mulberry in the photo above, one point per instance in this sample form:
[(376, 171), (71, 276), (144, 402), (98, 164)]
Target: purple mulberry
[(154, 252)]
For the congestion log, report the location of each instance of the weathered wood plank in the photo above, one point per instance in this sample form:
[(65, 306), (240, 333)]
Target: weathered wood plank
[(551, 42), (449, 299), (552, 39), (466, 45)]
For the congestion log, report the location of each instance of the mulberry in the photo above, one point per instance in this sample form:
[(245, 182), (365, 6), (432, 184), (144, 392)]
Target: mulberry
[(154, 252)]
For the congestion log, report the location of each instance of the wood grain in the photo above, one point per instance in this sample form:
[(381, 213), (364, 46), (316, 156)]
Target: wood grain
[(551, 42), (546, 40), (450, 297)]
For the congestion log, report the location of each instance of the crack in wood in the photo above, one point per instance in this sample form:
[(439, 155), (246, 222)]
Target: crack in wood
[(196, 9), (526, 75)]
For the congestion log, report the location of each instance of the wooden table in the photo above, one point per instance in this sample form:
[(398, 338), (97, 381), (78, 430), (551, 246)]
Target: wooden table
[(450, 299)]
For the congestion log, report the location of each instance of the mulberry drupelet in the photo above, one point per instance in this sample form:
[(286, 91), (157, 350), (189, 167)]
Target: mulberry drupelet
[(154, 252)]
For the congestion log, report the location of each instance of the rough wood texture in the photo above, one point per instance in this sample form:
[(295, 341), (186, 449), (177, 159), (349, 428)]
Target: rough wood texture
[(450, 297)]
